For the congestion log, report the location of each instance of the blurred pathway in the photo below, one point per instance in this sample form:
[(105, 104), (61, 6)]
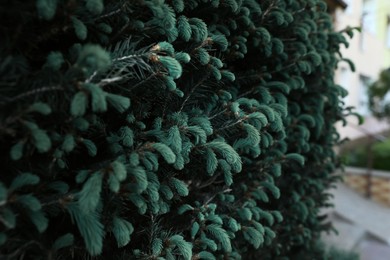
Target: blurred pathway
[(363, 225)]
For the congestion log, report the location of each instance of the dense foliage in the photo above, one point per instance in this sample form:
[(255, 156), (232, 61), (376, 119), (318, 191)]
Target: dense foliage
[(172, 129)]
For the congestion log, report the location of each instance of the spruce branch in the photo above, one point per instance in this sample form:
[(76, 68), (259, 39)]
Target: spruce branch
[(172, 178)]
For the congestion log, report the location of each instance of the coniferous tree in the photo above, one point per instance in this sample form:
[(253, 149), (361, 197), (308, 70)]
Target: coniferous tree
[(154, 129)]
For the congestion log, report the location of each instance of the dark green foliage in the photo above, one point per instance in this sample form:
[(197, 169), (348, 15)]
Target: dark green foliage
[(166, 129)]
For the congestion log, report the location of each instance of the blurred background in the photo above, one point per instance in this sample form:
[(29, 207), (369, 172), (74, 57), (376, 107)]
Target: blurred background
[(362, 203)]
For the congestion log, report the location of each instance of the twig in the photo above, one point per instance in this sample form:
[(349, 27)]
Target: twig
[(212, 197), (140, 83), (91, 77), (217, 114), (111, 13), (209, 182), (255, 75), (234, 124), (32, 92), (270, 7), (20, 249), (193, 90), (104, 82), (128, 57)]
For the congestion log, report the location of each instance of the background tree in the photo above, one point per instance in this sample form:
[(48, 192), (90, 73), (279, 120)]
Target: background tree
[(378, 95), (154, 129)]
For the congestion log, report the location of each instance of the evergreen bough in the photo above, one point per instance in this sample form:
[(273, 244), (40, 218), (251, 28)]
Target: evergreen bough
[(166, 129)]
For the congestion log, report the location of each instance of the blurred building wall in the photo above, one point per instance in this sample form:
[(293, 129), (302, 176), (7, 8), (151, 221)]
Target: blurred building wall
[(370, 51)]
